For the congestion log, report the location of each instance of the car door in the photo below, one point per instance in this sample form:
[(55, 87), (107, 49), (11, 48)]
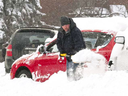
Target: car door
[(49, 63), (104, 44), (99, 42)]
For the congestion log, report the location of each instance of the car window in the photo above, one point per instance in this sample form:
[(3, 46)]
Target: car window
[(95, 39), (28, 39), (52, 47)]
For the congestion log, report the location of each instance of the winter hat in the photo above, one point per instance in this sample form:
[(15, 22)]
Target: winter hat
[(64, 21)]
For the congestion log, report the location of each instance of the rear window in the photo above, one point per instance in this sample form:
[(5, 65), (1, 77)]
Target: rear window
[(28, 39), (95, 39)]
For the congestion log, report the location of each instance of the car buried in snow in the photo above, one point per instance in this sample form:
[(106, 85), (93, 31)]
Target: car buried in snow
[(46, 61)]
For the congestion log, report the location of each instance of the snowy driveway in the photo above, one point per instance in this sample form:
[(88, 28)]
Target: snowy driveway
[(109, 84)]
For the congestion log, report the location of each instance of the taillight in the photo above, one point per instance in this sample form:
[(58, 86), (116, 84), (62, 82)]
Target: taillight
[(9, 50)]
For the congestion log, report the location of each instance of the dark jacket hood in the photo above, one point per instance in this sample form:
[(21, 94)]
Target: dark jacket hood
[(72, 25)]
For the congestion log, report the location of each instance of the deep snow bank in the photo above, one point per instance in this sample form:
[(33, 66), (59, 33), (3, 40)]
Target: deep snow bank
[(112, 83), (94, 62)]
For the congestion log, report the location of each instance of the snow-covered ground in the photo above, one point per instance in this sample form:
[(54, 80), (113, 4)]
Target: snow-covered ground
[(111, 83), (95, 82)]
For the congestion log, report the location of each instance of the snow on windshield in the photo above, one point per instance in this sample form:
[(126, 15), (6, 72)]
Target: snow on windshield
[(115, 23)]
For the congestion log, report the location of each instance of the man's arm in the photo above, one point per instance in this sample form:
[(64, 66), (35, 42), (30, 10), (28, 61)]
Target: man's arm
[(78, 40), (59, 42)]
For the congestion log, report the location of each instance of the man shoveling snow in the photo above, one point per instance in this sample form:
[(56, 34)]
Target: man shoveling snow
[(69, 41)]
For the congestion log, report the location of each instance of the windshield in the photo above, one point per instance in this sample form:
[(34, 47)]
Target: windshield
[(95, 39)]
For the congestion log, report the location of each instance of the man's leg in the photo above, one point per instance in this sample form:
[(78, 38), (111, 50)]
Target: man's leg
[(78, 71), (70, 69)]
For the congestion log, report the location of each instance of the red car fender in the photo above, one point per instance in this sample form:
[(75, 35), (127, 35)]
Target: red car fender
[(16, 67), (24, 63)]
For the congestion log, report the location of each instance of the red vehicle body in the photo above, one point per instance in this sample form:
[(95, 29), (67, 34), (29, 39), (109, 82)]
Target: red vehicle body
[(104, 50), (42, 64)]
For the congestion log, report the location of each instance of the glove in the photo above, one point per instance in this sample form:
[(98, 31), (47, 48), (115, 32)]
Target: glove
[(63, 55)]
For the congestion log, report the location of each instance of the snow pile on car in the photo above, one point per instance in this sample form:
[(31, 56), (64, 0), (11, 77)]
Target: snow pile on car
[(94, 62)]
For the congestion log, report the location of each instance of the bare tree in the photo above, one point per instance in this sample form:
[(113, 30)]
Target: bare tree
[(118, 10), (92, 8)]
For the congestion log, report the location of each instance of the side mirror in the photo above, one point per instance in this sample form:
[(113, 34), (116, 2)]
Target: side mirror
[(120, 39)]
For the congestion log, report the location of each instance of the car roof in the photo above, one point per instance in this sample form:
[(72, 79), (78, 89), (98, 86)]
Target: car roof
[(33, 28)]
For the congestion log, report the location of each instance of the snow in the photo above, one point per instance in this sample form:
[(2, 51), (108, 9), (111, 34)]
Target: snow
[(38, 4), (1, 3), (107, 83), (95, 82), (111, 83), (119, 53), (95, 63), (105, 24), (86, 55)]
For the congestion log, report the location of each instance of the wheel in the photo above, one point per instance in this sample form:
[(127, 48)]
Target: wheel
[(25, 74)]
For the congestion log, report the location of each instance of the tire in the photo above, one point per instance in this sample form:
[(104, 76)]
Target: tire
[(24, 73)]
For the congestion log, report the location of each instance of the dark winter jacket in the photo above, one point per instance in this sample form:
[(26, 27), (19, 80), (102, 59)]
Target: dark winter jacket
[(70, 42)]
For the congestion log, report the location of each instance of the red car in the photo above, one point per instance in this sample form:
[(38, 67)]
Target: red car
[(46, 61)]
